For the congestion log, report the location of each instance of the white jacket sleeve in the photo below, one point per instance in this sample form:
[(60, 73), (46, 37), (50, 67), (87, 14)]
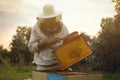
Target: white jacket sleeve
[(33, 41)]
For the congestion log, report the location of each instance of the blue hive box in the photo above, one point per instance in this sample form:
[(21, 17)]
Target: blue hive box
[(65, 76)]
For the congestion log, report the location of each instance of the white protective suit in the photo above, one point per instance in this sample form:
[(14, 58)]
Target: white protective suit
[(44, 58)]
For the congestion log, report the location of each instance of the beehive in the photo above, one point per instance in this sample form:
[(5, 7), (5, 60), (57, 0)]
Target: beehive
[(65, 76)]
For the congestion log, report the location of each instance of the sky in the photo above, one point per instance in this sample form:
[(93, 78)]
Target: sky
[(78, 15)]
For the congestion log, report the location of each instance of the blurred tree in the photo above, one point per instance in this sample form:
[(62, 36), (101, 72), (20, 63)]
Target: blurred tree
[(117, 5), (106, 46), (19, 49), (4, 53)]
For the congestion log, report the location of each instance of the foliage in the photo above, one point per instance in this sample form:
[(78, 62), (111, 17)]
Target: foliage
[(4, 53), (111, 76), (117, 5), (19, 50), (106, 46)]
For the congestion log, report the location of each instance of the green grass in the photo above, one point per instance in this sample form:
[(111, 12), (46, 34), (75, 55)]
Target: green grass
[(24, 72), (20, 73), (111, 76)]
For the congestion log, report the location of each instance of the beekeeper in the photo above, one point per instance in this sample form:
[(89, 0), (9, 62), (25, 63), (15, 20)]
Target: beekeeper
[(46, 36)]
